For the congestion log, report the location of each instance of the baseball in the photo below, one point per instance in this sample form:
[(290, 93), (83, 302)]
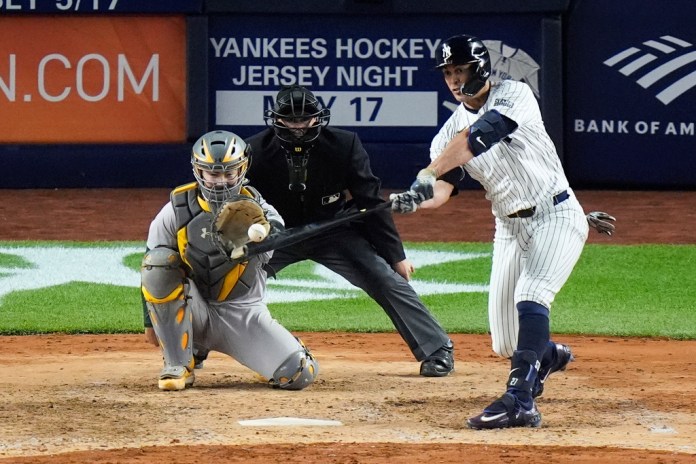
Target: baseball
[(256, 232)]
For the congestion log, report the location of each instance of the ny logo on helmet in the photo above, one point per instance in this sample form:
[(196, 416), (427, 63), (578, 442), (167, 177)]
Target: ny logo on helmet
[(446, 53)]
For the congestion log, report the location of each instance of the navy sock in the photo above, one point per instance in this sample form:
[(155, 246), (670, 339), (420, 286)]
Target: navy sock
[(534, 334)]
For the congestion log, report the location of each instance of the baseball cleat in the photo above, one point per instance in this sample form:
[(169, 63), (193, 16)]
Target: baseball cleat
[(561, 360), (176, 378), (199, 358), (506, 411), (440, 363)]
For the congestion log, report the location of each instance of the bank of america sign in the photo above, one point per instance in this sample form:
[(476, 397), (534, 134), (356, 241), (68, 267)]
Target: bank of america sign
[(659, 65)]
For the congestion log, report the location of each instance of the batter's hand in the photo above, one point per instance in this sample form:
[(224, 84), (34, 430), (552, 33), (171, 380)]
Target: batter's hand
[(151, 337), (424, 185), (404, 203), (602, 222), (404, 269)]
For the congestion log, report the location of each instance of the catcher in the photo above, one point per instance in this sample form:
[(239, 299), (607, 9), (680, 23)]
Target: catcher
[(197, 298)]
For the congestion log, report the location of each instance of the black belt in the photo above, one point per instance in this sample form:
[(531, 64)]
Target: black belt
[(529, 212)]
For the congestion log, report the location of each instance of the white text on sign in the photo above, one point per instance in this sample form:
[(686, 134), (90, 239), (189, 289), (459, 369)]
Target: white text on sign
[(377, 109)]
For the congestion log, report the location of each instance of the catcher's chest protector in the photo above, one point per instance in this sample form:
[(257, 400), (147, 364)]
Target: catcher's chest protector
[(214, 275)]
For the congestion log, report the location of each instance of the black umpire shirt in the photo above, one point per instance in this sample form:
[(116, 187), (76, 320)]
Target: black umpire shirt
[(338, 165)]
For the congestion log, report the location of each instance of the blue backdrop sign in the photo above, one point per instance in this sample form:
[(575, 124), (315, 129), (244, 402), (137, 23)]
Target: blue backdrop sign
[(631, 94), (384, 86)]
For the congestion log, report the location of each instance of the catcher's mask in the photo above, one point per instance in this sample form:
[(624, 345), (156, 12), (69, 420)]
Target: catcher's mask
[(297, 119), (466, 49), (220, 161)]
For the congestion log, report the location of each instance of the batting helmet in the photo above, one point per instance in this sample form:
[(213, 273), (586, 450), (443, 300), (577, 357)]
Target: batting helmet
[(220, 152), (297, 103), (465, 49)]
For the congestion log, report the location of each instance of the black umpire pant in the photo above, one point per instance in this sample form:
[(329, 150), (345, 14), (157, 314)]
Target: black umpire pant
[(346, 252)]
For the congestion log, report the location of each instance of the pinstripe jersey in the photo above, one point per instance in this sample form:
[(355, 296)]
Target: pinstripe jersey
[(533, 256), (523, 169)]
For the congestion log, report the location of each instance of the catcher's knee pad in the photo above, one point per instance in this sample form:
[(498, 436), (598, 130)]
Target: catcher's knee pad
[(161, 276), (163, 287), (298, 371)]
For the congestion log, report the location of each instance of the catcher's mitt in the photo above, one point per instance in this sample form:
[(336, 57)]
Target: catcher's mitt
[(232, 221), (602, 222)]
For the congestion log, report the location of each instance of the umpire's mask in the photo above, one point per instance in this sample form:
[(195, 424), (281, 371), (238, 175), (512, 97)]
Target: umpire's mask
[(297, 119)]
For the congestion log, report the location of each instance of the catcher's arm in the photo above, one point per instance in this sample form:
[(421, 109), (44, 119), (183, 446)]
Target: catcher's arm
[(602, 222)]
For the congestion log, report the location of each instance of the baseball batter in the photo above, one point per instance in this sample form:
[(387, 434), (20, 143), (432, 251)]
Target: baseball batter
[(196, 298), (497, 136)]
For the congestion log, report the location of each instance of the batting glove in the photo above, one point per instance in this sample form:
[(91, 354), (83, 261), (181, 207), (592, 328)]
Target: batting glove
[(423, 186), (404, 203), (602, 222)]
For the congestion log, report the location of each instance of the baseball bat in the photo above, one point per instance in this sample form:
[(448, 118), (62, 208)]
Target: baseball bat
[(293, 235)]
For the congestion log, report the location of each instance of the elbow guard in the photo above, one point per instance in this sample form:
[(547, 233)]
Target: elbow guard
[(488, 130)]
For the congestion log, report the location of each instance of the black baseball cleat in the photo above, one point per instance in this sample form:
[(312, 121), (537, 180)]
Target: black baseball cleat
[(561, 359), (506, 411), (440, 363), (199, 358)]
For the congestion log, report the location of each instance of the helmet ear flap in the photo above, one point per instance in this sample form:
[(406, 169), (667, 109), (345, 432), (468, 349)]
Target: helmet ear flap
[(483, 70)]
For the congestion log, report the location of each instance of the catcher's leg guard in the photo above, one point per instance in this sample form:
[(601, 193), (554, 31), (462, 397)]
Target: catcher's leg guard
[(163, 287), (298, 371)]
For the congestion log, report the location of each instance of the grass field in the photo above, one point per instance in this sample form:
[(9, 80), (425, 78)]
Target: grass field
[(641, 290)]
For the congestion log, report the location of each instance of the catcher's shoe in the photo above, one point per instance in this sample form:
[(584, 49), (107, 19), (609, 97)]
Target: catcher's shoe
[(440, 363), (176, 378), (506, 411), (561, 358)]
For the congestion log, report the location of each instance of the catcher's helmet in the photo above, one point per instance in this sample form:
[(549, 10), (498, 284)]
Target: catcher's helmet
[(465, 49), (296, 103), (220, 152)]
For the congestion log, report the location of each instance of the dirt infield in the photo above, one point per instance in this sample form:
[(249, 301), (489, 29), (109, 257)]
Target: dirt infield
[(70, 399)]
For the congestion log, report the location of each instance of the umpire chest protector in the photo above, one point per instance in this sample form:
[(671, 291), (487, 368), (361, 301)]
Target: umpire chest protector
[(215, 276)]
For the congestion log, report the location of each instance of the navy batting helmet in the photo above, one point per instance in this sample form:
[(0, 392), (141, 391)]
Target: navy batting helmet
[(465, 49)]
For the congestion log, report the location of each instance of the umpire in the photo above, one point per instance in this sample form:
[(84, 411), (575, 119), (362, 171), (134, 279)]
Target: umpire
[(310, 172)]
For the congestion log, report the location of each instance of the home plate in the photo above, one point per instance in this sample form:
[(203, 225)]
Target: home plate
[(274, 421)]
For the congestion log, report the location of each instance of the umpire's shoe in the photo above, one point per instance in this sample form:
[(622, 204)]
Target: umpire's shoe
[(199, 357), (440, 363), (506, 411), (561, 358), (176, 378)]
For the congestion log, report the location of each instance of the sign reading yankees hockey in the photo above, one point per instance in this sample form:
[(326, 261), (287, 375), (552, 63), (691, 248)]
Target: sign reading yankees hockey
[(376, 108), (384, 84)]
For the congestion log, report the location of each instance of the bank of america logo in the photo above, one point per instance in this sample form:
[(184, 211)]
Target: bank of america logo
[(670, 54)]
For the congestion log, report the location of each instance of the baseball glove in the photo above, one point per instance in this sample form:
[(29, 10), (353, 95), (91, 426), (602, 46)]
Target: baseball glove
[(602, 222), (232, 221)]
